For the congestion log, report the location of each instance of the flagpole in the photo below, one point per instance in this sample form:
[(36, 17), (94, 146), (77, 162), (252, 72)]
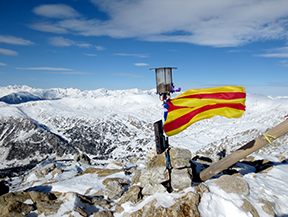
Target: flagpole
[(252, 146)]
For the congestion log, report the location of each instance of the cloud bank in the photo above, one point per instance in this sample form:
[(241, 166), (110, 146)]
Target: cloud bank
[(221, 23)]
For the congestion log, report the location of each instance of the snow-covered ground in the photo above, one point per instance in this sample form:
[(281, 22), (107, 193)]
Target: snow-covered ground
[(204, 137)]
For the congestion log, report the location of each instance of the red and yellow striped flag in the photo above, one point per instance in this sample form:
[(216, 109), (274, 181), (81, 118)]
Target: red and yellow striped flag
[(197, 104)]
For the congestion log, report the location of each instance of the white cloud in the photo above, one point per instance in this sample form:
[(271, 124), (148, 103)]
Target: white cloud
[(220, 23), (48, 27), (100, 48), (44, 68), (90, 54), (14, 40), (281, 52), (60, 41), (131, 55), (56, 11), (3, 64), (8, 52), (65, 42), (141, 64)]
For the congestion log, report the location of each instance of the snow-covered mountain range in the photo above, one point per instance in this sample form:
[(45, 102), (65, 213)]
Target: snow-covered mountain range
[(36, 124)]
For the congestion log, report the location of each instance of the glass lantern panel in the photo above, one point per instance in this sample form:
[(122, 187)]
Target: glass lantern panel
[(164, 80)]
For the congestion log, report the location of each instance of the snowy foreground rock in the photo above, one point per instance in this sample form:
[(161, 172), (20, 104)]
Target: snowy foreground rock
[(147, 188)]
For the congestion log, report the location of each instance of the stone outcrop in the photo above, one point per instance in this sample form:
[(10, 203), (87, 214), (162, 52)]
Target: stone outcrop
[(233, 184), (143, 184)]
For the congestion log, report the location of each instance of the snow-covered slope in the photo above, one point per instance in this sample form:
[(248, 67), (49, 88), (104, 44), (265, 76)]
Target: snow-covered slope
[(119, 125)]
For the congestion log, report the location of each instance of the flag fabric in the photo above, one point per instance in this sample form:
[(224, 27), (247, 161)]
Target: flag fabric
[(197, 104)]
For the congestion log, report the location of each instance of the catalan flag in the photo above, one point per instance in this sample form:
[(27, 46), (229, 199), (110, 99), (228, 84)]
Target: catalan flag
[(197, 104)]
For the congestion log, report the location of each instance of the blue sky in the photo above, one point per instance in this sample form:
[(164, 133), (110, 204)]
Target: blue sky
[(112, 44)]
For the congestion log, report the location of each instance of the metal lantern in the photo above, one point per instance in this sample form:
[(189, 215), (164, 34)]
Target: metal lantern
[(164, 80)]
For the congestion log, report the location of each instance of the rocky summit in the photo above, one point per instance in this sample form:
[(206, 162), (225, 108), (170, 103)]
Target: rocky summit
[(132, 189)]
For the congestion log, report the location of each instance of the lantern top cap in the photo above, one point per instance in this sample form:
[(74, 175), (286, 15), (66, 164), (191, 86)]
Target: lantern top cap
[(163, 68)]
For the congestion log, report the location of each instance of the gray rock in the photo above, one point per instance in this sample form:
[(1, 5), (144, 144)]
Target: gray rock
[(18, 207), (133, 195), (155, 160), (81, 157), (151, 189), (114, 190), (233, 184), (179, 157), (155, 175), (103, 214), (48, 207), (48, 168), (247, 206), (268, 206), (181, 178)]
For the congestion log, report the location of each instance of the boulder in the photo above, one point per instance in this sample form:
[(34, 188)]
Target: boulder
[(81, 157), (233, 184), (179, 157), (268, 206), (201, 189), (103, 214), (39, 196), (181, 178), (136, 177), (133, 195), (120, 180), (185, 206), (155, 175), (113, 190), (48, 168), (18, 207), (115, 165), (153, 188), (247, 206), (155, 160), (50, 207)]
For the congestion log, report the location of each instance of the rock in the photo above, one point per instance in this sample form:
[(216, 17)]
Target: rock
[(136, 177), (81, 157), (13, 214), (181, 178), (268, 206), (3, 188), (179, 157), (5, 199), (48, 207), (102, 172), (81, 211), (155, 175), (101, 202), (152, 188), (114, 190), (155, 160), (233, 184), (120, 180), (56, 171), (39, 173), (133, 195), (247, 206), (39, 196), (48, 168), (115, 165), (98, 193), (201, 189), (18, 207), (185, 206), (103, 214)]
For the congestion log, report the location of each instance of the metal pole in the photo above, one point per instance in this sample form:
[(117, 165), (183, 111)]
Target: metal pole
[(272, 134)]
